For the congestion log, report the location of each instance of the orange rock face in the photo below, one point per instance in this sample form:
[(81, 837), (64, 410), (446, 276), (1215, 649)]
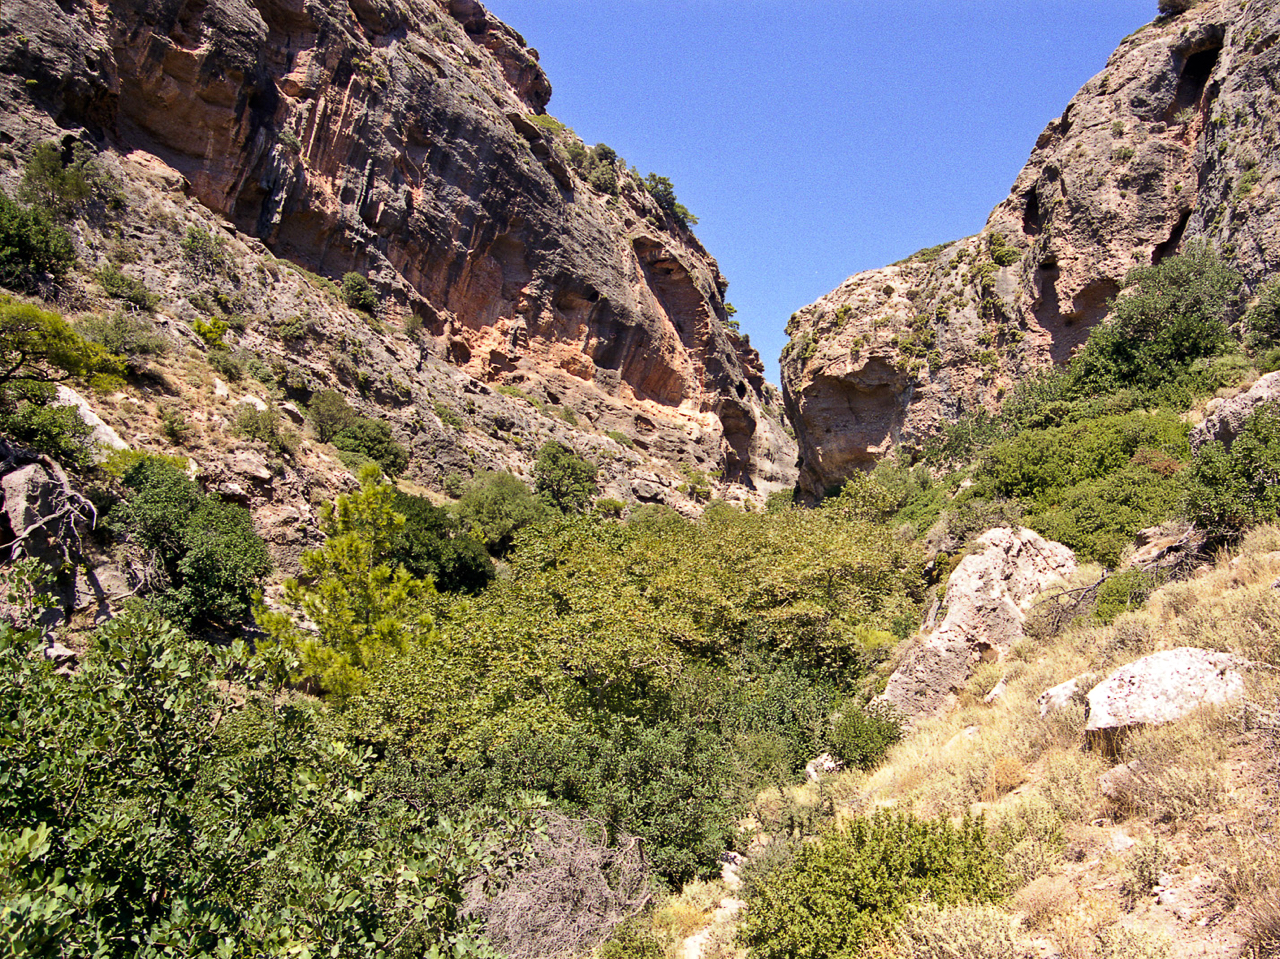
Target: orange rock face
[(406, 140)]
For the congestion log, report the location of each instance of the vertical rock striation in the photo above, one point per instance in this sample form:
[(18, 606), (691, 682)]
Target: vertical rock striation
[(1174, 139)]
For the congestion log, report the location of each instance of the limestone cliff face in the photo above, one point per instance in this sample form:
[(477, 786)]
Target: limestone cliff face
[(1173, 140), (407, 140)]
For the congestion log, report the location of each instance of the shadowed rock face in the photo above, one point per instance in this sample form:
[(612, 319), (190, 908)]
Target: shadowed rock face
[(1171, 141), (397, 138)]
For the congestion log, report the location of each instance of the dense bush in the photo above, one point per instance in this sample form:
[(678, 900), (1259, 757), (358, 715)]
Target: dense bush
[(206, 254), (63, 181), (563, 478), (495, 506), (204, 550), (358, 294), (29, 415), (372, 439), (1229, 490), (126, 335), (1172, 314), (330, 414), (664, 194), (431, 545), (121, 287), (861, 737), (860, 878), (32, 248), (265, 426), (145, 815)]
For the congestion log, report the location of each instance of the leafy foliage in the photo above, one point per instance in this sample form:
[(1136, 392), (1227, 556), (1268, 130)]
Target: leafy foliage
[(265, 426), (1229, 490), (363, 607), (144, 815), (206, 254), (32, 247), (495, 506), (431, 545), (664, 194), (29, 415), (206, 551), (37, 346), (358, 294), (62, 181), (123, 334), (839, 892), (563, 478), (372, 439), (1172, 315), (330, 414), (121, 287)]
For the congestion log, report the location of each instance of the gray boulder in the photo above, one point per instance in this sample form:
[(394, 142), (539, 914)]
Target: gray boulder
[(1161, 688), (988, 595)]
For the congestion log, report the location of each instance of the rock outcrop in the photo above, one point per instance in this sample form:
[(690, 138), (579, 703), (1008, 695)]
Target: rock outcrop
[(1161, 688), (1224, 419), (406, 140), (987, 598), (1171, 141)]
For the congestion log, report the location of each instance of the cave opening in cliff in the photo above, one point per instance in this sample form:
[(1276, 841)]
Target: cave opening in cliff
[(1031, 215), (1170, 246), (1195, 74)]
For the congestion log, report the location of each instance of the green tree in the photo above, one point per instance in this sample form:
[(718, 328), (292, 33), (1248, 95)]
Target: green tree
[(494, 506), (430, 545), (1172, 314), (564, 479), (205, 550), (330, 414), (145, 814), (32, 247), (1229, 490), (358, 294), (664, 194), (37, 346), (373, 440), (52, 185), (364, 607)]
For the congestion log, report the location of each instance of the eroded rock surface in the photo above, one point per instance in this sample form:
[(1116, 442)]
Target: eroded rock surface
[(1225, 418), (1171, 141), (406, 140), (987, 598)]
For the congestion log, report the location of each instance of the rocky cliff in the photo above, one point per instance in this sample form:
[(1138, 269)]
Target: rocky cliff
[(406, 140), (1174, 139)]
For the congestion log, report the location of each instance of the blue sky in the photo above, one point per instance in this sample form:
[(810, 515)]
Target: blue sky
[(817, 139)]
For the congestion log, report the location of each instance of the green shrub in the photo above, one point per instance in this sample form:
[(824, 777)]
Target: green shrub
[(861, 737), (621, 438), (130, 336), (30, 416), (1262, 321), (373, 439), (358, 294), (494, 506), (431, 545), (229, 364), (64, 181), (211, 331), (563, 478), (631, 940), (121, 287), (206, 550), (608, 506), (448, 417), (330, 414), (265, 426), (206, 254), (32, 247), (1001, 251), (1230, 490), (143, 808), (662, 191), (1173, 313), (840, 892)]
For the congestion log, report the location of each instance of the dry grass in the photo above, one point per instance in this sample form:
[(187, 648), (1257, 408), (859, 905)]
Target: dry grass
[(963, 932), (1045, 900)]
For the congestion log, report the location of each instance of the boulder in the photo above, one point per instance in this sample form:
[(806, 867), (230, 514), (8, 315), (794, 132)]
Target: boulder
[(1058, 698), (1226, 418), (1161, 688), (102, 435), (821, 766), (987, 598)]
